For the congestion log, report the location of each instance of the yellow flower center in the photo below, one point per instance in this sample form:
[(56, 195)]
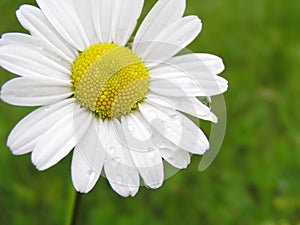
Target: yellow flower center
[(109, 80)]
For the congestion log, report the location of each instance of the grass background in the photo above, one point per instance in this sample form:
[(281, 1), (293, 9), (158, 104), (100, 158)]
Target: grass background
[(256, 177)]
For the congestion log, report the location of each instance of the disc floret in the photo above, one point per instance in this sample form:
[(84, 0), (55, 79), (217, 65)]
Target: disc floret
[(109, 80)]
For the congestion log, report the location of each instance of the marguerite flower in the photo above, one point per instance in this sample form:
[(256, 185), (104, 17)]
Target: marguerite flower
[(118, 105)]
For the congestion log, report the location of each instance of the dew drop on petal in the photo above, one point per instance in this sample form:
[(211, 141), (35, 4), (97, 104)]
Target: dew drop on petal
[(165, 124), (179, 41), (84, 143), (47, 109), (173, 69), (91, 174), (40, 47), (131, 127), (60, 59), (116, 160), (150, 133), (176, 119), (111, 150), (152, 154)]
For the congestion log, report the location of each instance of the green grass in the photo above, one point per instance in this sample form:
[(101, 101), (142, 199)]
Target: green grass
[(256, 177)]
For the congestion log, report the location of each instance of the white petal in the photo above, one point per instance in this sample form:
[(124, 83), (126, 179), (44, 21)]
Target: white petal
[(174, 155), (119, 168), (61, 138), (143, 145), (26, 133), (103, 12), (36, 23), (199, 65), (27, 62), (176, 87), (84, 10), (190, 73), (88, 158), (125, 18), (164, 13), (34, 92), (179, 159), (189, 105), (62, 16), (175, 127), (212, 62), (42, 47), (170, 41), (181, 85)]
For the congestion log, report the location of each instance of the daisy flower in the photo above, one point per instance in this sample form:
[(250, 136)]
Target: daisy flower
[(121, 103)]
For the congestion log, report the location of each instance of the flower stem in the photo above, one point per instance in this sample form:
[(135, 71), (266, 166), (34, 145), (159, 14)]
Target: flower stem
[(76, 209), (75, 199)]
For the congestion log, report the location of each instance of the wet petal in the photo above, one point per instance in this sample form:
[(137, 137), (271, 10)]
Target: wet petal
[(88, 159), (63, 17), (164, 46), (37, 24), (119, 169), (161, 15), (61, 138), (125, 18), (175, 127), (143, 145), (34, 92), (27, 132)]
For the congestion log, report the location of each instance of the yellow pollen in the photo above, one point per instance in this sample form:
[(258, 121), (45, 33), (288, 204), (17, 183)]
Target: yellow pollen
[(109, 80)]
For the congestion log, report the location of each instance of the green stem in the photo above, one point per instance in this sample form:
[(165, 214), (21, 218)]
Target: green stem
[(73, 210), (76, 208)]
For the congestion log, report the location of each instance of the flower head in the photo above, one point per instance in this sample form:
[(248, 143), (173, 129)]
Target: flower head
[(121, 106)]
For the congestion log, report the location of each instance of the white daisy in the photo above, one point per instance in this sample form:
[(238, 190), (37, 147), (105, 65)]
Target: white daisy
[(119, 106)]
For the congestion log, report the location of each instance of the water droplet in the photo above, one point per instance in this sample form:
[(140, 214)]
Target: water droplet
[(47, 109), (91, 174), (131, 127), (165, 124), (176, 119), (111, 150), (116, 160), (84, 142), (206, 101), (59, 59), (40, 47), (179, 41), (150, 133), (173, 69), (152, 154)]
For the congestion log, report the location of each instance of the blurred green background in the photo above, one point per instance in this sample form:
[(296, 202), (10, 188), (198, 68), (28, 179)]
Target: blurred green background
[(255, 178)]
